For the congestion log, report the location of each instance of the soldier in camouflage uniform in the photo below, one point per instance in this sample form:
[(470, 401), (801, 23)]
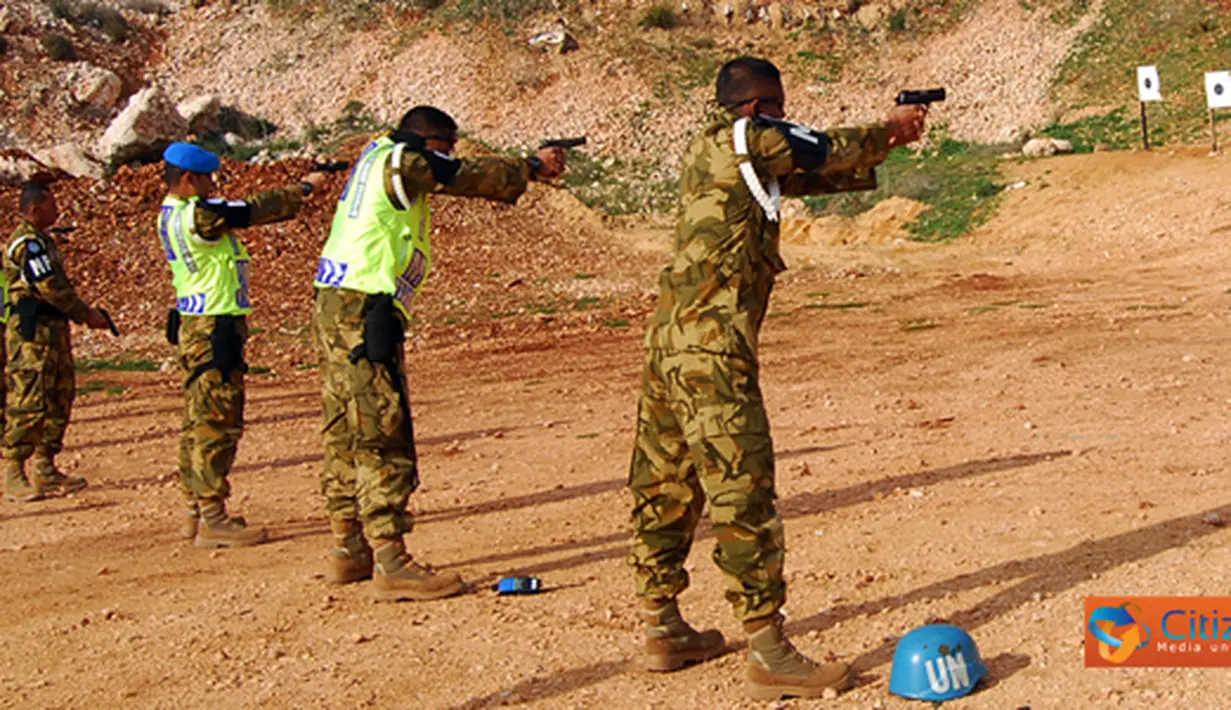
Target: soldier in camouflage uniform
[(39, 371), (702, 430), (376, 259), (209, 268)]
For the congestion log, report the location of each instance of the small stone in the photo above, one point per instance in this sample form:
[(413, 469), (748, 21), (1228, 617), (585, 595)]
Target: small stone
[(1214, 519)]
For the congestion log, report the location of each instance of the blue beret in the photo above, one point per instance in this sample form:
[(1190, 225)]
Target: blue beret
[(192, 158)]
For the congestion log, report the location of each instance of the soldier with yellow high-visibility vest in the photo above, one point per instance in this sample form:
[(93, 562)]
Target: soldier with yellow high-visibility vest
[(377, 257), (209, 269)]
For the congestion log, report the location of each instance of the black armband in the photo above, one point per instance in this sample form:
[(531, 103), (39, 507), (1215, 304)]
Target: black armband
[(235, 215), (809, 148)]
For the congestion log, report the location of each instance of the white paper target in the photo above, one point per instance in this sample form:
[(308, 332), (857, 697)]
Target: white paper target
[(1218, 89), (1148, 86)]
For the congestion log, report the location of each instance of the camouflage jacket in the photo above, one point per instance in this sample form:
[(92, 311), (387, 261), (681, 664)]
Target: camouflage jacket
[(213, 218), (34, 268), (714, 294), (496, 178)]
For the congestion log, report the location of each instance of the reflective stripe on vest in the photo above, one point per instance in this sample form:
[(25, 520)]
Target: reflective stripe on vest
[(210, 278), (373, 246)]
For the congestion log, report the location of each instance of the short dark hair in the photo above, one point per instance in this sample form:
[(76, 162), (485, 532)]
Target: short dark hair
[(33, 194), (171, 174), (428, 122), (742, 79)]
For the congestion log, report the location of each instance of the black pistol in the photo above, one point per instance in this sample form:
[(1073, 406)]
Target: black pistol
[(110, 323), (331, 166), (920, 98), (565, 143)]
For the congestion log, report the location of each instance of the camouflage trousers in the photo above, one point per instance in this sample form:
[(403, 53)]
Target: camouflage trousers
[(40, 389), (213, 412), (703, 435), (370, 466)]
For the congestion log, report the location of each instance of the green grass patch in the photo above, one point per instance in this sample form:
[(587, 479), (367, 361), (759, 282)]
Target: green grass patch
[(587, 436), (543, 308), (116, 364), (583, 277), (1035, 306), (586, 303), (980, 310), (259, 370), (959, 182), (778, 314), (307, 366), (617, 323), (1183, 38), (1153, 307)]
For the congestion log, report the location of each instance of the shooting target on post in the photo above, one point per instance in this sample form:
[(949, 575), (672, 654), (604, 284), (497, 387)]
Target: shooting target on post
[(1218, 89), (1148, 86)]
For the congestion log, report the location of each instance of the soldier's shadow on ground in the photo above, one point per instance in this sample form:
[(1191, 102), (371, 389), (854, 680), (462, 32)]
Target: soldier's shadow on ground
[(40, 508), (1044, 575)]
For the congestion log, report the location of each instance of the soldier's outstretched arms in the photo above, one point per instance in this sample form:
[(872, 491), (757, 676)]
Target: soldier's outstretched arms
[(491, 177), (214, 217), (835, 160)]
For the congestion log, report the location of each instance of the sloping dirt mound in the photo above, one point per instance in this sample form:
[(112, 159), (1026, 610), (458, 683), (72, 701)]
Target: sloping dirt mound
[(883, 223)]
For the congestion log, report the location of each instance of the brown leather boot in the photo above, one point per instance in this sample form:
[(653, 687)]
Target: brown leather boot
[(777, 670), (351, 559), (218, 530), (52, 480), (192, 517), (17, 487), (671, 644), (399, 578)]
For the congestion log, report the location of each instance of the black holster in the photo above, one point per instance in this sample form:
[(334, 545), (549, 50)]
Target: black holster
[(173, 326), (30, 311), (383, 336), (228, 350)]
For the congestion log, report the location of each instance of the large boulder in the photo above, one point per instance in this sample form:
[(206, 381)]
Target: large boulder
[(71, 159), (1046, 147), (94, 86), (203, 114), (146, 125)]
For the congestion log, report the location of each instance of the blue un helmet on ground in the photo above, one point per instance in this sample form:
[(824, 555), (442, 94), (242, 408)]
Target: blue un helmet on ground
[(937, 662)]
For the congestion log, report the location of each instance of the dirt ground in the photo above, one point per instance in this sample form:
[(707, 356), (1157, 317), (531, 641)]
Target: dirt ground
[(1006, 425)]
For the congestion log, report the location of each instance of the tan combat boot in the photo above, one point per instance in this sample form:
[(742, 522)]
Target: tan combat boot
[(52, 480), (777, 670), (17, 487), (351, 559), (671, 644), (399, 578), (218, 530), (192, 517)]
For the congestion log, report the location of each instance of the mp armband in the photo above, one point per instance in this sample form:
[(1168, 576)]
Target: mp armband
[(810, 148)]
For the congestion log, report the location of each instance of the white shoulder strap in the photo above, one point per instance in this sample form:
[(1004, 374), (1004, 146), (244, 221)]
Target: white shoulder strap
[(770, 200), (399, 188)]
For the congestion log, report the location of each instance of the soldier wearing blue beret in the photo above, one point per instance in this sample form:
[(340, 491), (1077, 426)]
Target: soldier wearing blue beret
[(209, 269)]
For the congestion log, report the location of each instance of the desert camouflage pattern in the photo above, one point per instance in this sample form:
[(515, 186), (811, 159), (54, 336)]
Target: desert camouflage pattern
[(702, 430), (370, 466), (213, 419), (40, 389), (39, 377), (56, 289), (267, 207), (713, 295), (491, 177)]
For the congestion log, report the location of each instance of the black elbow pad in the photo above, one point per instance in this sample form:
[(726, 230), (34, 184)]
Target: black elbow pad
[(235, 215), (809, 148)]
